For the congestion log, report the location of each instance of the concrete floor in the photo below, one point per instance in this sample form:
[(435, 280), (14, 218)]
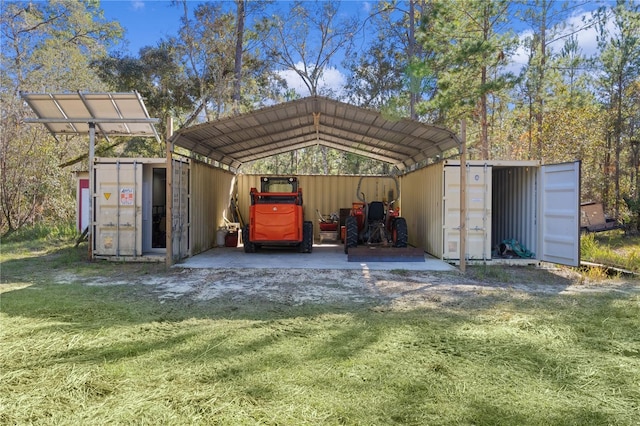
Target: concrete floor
[(323, 256)]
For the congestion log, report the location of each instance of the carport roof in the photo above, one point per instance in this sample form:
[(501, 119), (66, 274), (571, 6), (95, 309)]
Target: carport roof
[(312, 121)]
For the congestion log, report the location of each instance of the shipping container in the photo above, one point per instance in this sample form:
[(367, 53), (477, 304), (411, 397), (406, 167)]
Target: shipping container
[(522, 205), (133, 216), (129, 202), (523, 202)]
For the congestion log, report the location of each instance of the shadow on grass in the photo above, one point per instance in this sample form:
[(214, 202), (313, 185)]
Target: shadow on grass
[(479, 364), (42, 296), (482, 354), (124, 304), (39, 265)]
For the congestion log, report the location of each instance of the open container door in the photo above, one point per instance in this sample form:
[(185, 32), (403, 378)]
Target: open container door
[(180, 225), (559, 238)]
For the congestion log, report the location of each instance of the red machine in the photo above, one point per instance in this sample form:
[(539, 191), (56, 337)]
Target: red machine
[(276, 216), (376, 222)]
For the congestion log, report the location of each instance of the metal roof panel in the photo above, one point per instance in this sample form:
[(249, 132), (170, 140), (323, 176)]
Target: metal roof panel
[(315, 120)]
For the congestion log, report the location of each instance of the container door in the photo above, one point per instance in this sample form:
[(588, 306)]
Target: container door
[(559, 239), (180, 209), (117, 227), (478, 221)]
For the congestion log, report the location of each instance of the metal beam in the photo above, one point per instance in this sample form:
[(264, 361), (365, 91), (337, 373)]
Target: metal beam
[(92, 120)]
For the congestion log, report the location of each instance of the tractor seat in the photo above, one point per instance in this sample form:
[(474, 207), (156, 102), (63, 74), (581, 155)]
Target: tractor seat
[(376, 211)]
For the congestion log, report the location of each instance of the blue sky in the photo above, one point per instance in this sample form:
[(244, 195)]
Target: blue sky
[(145, 22), (148, 21)]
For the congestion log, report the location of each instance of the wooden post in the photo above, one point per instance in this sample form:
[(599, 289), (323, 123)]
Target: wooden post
[(463, 196), (169, 195)]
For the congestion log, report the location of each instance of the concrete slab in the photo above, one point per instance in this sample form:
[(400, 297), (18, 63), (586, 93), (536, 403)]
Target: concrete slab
[(324, 256), (385, 254)]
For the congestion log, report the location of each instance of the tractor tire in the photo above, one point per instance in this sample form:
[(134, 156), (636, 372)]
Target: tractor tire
[(249, 247), (350, 233), (306, 246), (400, 232)]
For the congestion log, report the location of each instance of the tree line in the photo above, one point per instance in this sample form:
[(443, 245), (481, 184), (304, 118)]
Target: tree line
[(436, 61)]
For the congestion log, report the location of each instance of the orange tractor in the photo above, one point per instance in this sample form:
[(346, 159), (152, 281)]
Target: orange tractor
[(276, 216), (375, 223)]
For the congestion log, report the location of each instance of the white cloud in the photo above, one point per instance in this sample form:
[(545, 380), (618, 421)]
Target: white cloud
[(294, 82), (586, 37), (332, 79), (137, 5), (585, 34), (521, 56)]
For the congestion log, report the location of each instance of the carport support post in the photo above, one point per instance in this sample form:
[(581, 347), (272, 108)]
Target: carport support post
[(169, 195), (463, 195), (92, 153)]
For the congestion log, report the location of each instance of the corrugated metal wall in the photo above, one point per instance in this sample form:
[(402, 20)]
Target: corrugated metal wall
[(514, 205), (328, 194), (422, 208), (513, 202), (210, 192)]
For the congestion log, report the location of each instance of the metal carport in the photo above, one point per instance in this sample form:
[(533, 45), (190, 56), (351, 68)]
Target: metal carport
[(408, 145), (231, 142)]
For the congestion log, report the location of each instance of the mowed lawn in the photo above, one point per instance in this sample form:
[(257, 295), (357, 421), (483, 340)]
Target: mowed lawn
[(77, 354)]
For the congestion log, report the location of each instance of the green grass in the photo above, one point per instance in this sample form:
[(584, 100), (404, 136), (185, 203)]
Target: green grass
[(78, 354), (612, 248)]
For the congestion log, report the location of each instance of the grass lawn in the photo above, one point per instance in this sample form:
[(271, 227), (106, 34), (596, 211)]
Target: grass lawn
[(612, 248), (80, 354)]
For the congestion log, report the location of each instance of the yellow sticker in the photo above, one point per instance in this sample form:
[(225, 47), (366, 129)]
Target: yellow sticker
[(107, 195)]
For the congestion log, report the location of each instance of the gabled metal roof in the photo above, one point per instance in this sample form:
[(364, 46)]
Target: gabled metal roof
[(312, 121), (114, 114)]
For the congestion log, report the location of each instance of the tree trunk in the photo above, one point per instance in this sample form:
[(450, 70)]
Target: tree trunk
[(483, 84), (412, 44), (606, 172), (618, 141), (540, 85), (238, 57)]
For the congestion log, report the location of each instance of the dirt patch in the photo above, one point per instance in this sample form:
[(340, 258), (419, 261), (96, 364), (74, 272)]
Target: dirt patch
[(398, 289)]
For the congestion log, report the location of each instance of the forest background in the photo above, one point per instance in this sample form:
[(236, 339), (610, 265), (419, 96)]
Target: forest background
[(436, 61)]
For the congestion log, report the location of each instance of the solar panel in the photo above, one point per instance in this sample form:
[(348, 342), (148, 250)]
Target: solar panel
[(114, 114)]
